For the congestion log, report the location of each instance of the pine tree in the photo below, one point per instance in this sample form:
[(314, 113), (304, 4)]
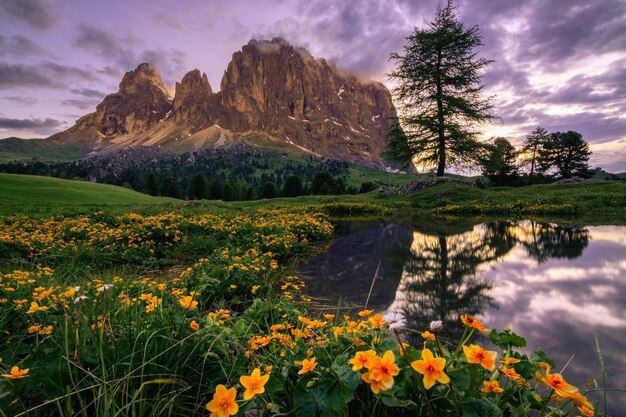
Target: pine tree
[(440, 95), (532, 145), (567, 152)]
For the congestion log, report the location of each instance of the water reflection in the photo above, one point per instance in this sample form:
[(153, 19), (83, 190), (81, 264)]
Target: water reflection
[(556, 285), (439, 279)]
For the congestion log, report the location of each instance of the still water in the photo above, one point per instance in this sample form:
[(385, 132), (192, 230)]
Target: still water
[(559, 286)]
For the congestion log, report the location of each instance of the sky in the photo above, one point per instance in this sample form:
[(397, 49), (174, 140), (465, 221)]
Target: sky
[(560, 64)]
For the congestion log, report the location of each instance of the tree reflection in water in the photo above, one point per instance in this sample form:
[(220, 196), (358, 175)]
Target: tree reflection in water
[(439, 280), (435, 269)]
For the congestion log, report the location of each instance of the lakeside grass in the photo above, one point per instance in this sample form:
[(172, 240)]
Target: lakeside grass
[(602, 201)]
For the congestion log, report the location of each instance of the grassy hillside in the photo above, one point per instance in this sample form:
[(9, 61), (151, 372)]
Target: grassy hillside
[(12, 149), (27, 193)]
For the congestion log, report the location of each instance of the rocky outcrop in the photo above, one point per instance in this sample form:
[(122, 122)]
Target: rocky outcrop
[(273, 87), (193, 101), (269, 87)]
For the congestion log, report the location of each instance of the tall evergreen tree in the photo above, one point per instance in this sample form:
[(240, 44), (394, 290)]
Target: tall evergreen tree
[(532, 146), (292, 187), (440, 95), (152, 184), (567, 153), (198, 187)]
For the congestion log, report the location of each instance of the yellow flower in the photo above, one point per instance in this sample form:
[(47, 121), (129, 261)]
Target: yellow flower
[(307, 365), (223, 403), (365, 313), (34, 307), (491, 386), (16, 373), (254, 384), (188, 302), (377, 321), (476, 354), (194, 326), (329, 316), (428, 335), (470, 321), (362, 359), (432, 368), (255, 288)]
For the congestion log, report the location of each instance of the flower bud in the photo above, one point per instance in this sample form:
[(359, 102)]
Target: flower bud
[(436, 326)]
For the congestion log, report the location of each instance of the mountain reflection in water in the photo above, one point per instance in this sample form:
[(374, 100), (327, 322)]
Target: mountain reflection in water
[(556, 285)]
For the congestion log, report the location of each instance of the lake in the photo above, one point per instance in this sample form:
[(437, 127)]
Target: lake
[(557, 285)]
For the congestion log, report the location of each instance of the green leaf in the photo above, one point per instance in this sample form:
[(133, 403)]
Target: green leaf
[(474, 407), (344, 372), (304, 401), (390, 399), (461, 379)]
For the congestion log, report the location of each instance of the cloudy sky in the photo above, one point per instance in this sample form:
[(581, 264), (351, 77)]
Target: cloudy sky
[(560, 64)]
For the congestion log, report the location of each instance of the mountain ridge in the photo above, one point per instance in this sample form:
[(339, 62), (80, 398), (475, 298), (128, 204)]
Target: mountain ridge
[(269, 89)]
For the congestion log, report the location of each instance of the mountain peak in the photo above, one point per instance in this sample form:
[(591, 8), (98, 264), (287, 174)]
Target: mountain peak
[(136, 80)]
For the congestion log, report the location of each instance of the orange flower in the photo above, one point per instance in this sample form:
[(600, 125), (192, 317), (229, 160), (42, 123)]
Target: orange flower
[(558, 384), (470, 321), (34, 307), (16, 373), (365, 313), (586, 411), (194, 326), (377, 321), (428, 335), (384, 369), (362, 359), (34, 329), (375, 386), (510, 361), (223, 403), (476, 354), (580, 400), (254, 384), (510, 373), (432, 368), (188, 302), (307, 365), (491, 386)]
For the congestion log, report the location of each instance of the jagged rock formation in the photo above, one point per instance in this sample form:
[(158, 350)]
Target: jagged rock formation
[(269, 88)]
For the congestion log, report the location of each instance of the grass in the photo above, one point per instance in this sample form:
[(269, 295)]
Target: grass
[(16, 149), (26, 193), (603, 201)]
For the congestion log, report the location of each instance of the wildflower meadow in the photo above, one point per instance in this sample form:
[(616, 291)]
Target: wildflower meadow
[(201, 315)]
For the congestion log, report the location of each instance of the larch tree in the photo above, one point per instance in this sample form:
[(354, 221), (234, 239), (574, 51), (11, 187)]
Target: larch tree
[(440, 96), (532, 146)]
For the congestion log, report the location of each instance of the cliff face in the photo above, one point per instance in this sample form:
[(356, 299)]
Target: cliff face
[(269, 87), (273, 87)]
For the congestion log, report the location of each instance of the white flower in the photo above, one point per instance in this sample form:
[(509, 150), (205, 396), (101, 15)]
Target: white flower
[(395, 320), (81, 298), (436, 326), (105, 287), (76, 289)]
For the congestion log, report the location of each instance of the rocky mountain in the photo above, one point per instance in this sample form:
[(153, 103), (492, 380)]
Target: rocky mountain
[(270, 92)]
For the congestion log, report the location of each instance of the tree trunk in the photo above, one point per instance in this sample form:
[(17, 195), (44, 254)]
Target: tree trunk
[(441, 164)]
